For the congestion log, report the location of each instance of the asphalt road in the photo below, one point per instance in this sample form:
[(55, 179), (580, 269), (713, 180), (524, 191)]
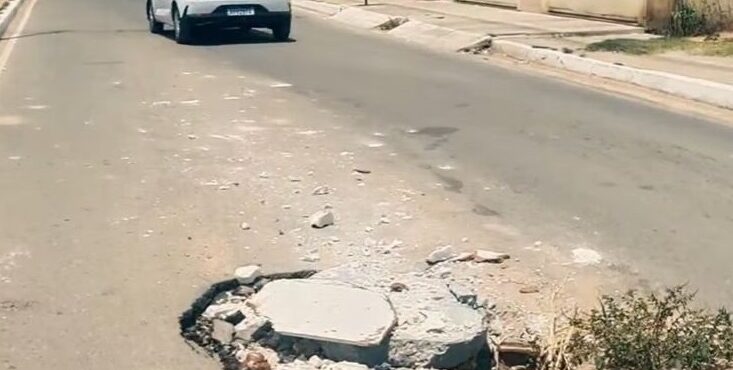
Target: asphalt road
[(649, 189)]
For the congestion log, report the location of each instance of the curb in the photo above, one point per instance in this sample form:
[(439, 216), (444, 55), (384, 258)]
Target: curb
[(705, 91), (7, 15), (362, 18), (437, 36), (430, 35), (318, 7)]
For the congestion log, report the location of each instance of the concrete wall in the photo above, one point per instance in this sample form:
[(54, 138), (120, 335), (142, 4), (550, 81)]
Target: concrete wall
[(626, 10), (651, 13), (507, 3)]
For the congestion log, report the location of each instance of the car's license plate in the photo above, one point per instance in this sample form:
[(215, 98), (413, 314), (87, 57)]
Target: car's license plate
[(238, 12)]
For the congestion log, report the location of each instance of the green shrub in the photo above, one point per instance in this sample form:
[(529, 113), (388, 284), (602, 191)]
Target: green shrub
[(634, 332), (701, 17)]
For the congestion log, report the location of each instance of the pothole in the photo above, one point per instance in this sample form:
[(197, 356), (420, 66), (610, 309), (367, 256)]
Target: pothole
[(348, 317)]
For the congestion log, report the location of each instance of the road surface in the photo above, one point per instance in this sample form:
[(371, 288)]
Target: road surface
[(94, 115)]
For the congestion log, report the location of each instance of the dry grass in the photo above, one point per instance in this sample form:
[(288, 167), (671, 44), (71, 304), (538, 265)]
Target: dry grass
[(721, 47)]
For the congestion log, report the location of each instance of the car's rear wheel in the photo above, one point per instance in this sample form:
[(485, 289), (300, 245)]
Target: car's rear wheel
[(155, 26), (182, 30), (281, 31)]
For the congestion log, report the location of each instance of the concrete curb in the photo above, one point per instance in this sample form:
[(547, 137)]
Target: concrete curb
[(7, 15), (705, 91), (436, 36), (686, 87), (362, 18), (318, 7)]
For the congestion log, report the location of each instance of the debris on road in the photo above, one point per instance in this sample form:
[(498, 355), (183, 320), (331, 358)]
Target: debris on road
[(222, 331), (490, 257), (530, 289), (322, 219), (312, 256), (585, 256), (256, 361), (247, 274), (321, 190), (463, 257), (244, 226), (251, 328), (441, 254)]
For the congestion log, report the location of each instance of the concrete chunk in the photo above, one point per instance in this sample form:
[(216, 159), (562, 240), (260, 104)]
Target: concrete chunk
[(489, 256), (434, 329), (250, 328), (247, 274), (344, 365), (326, 311), (322, 219), (441, 254), (222, 331)]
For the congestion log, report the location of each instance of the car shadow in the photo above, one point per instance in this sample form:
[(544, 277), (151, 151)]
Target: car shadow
[(216, 37)]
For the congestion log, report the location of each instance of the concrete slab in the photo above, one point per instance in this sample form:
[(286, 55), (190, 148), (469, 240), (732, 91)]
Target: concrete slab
[(325, 311), (362, 18), (436, 36), (434, 329)]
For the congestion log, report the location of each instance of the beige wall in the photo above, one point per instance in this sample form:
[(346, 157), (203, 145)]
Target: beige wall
[(652, 13), (628, 10), (509, 3)]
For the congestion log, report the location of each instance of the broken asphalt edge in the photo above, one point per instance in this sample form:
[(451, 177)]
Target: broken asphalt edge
[(705, 91), (8, 14)]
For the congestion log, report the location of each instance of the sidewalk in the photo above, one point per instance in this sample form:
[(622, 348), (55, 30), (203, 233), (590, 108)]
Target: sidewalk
[(7, 12), (546, 39), (489, 21), (712, 68)]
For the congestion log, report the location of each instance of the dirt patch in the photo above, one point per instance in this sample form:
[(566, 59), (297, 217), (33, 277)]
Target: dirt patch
[(713, 47)]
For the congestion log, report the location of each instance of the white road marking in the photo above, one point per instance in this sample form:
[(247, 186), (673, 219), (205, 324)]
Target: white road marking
[(8, 50)]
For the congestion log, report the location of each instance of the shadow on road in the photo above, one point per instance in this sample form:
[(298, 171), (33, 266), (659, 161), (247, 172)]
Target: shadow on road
[(214, 37)]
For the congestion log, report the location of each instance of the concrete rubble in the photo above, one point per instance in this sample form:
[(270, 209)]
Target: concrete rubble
[(489, 256), (350, 317), (247, 274), (441, 254), (322, 219)]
